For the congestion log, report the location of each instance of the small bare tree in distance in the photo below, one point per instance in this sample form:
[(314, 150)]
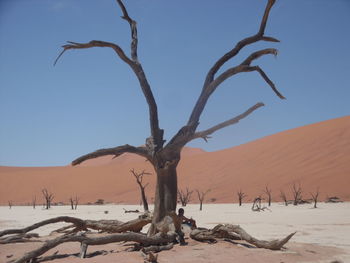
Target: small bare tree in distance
[(284, 197), (48, 197), (184, 196), (139, 179), (10, 204), (297, 194), (201, 195), (241, 195), (315, 197), (74, 202), (268, 192), (34, 201)]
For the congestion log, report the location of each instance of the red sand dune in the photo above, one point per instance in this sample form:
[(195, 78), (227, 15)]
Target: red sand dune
[(314, 156)]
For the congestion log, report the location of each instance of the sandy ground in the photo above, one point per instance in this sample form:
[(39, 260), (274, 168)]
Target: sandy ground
[(323, 234)]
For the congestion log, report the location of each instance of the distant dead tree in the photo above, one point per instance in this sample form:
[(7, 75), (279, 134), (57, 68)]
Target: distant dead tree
[(241, 196), (10, 204), (139, 179), (48, 197), (34, 201), (184, 196), (268, 192), (74, 202), (201, 196), (315, 197), (297, 194), (284, 197)]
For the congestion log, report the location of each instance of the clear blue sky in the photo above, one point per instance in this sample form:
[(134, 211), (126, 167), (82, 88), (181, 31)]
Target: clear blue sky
[(90, 99)]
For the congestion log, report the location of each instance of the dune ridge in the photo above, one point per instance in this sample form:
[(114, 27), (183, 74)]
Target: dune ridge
[(314, 156)]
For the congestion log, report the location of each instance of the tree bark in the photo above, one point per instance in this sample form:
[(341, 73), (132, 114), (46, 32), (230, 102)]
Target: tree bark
[(166, 192), (144, 200)]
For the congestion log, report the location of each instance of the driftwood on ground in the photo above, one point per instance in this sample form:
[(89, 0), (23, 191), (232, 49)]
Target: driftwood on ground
[(235, 232), (86, 240), (110, 226), (163, 240)]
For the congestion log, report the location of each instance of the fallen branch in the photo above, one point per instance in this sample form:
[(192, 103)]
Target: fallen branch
[(131, 211), (235, 232), (90, 241), (19, 238), (110, 226)]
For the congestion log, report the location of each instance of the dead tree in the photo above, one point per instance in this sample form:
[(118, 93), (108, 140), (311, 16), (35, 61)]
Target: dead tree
[(48, 197), (268, 192), (241, 196), (184, 196), (166, 157), (315, 197), (74, 202), (34, 201), (297, 194), (10, 203), (201, 195), (139, 179), (284, 197)]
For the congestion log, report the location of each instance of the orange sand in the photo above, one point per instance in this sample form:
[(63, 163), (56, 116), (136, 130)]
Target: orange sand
[(316, 156)]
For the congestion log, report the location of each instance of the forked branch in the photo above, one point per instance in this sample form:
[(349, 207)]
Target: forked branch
[(116, 151), (133, 29), (205, 134), (208, 88)]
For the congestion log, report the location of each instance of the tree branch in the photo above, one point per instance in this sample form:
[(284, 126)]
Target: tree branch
[(156, 132), (202, 100), (95, 43), (267, 79), (258, 54), (116, 151), (133, 29), (204, 134)]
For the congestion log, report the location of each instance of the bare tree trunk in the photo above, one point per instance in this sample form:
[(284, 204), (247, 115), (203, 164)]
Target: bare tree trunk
[(201, 196), (166, 192), (71, 203), (284, 197), (315, 197), (144, 200), (240, 195), (297, 194), (34, 201), (268, 192), (48, 197)]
